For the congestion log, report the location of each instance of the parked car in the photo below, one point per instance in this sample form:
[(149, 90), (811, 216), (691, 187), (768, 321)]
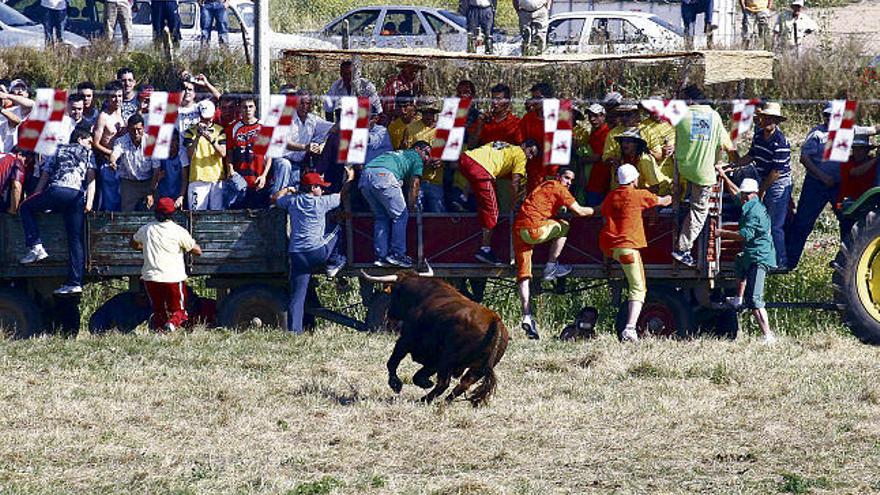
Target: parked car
[(86, 17), (17, 29), (611, 32)]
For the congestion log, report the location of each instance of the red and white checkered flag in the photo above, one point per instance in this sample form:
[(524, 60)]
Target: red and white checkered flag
[(840, 130), (557, 132), (449, 138), (354, 129), (743, 116), (160, 125), (272, 141), (40, 132), (671, 111)]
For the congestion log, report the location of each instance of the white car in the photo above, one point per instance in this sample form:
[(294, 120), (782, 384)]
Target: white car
[(600, 31), (17, 30)]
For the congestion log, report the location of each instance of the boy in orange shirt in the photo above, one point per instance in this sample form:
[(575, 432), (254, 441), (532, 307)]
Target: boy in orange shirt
[(623, 234), (535, 224)]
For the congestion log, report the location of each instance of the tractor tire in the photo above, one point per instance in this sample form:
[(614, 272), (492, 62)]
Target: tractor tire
[(248, 305), (20, 318), (857, 279), (667, 312)]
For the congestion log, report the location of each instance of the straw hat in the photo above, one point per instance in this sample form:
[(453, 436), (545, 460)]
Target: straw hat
[(772, 109)]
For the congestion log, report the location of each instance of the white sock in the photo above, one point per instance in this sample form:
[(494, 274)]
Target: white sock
[(38, 247), (486, 249), (527, 319)]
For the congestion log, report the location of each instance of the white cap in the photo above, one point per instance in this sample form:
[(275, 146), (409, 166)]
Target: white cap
[(626, 173), (797, 2), (206, 109), (596, 109), (748, 186)]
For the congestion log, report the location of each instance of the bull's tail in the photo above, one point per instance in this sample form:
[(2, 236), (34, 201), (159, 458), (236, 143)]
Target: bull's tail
[(486, 388)]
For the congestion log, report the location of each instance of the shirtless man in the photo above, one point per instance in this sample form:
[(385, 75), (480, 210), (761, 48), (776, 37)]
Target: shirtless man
[(107, 126)]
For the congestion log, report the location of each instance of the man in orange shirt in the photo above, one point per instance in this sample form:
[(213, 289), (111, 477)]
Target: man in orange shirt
[(499, 124), (624, 234), (535, 224), (532, 127)]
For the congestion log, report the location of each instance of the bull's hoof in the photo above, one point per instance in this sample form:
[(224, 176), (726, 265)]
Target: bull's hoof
[(395, 384), (422, 381), (426, 399)]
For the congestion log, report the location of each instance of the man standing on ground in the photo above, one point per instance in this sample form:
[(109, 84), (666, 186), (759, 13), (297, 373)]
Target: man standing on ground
[(756, 20), (689, 11), (213, 13), (793, 27), (165, 14), (481, 167), (534, 16), (164, 272), (536, 223), (480, 16), (54, 20), (135, 171), (118, 11), (108, 125)]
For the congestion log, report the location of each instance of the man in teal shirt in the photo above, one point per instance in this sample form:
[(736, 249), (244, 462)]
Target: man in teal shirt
[(757, 256), (382, 184)]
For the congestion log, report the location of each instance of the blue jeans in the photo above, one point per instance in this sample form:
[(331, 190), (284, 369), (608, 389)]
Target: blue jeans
[(814, 196), (53, 24), (776, 200), (285, 174), (213, 15), (301, 267), (384, 194), (69, 203), (689, 11), (111, 198), (431, 196), (165, 14)]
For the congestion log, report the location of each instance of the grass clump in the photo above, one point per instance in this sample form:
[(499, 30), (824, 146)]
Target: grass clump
[(322, 486), (795, 483)]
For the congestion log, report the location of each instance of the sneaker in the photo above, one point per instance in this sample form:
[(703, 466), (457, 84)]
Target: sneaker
[(334, 264), (528, 325), (769, 338), (487, 257), (399, 260), (68, 289), (734, 302), (169, 327), (36, 253), (630, 335), (684, 258), (555, 270), (381, 263)]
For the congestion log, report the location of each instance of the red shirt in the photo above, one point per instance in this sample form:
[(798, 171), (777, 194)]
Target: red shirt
[(600, 175), (241, 148), (532, 127), (853, 186), (542, 204), (622, 211), (11, 170), (506, 130)]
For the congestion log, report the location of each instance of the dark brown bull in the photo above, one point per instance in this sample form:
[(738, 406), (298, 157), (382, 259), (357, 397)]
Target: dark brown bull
[(445, 332)]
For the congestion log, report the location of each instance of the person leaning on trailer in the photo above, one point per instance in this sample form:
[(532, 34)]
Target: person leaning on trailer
[(623, 234), (536, 223)]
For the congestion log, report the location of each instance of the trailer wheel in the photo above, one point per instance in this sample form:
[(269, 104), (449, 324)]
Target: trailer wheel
[(857, 279), (666, 313), (20, 318), (253, 304)]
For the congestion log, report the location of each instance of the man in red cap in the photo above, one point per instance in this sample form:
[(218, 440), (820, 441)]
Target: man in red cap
[(164, 273)]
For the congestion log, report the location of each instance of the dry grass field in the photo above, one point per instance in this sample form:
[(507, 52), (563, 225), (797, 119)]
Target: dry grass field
[(264, 412)]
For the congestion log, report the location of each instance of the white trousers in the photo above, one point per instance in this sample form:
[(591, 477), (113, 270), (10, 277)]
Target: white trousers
[(205, 195)]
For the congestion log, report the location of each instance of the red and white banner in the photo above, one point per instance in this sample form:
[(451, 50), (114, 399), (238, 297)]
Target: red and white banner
[(743, 116), (272, 141), (41, 130), (449, 138), (160, 124), (557, 132), (671, 111), (841, 130), (354, 129)]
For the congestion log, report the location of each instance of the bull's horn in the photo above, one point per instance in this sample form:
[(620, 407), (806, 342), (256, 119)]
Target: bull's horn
[(429, 273), (382, 279)]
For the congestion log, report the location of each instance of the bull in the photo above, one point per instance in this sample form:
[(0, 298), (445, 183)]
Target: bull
[(445, 332)]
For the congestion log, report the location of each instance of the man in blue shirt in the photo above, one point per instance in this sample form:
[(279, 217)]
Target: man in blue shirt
[(310, 247), (382, 184)]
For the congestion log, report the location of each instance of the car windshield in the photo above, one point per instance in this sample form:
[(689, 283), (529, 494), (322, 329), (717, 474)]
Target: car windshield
[(11, 17), (246, 10), (668, 25), (452, 16)]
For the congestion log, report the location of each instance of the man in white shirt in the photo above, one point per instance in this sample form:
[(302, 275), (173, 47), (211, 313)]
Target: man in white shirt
[(534, 17), (135, 171), (164, 272), (346, 85), (793, 27), (54, 19), (307, 135), (13, 108)]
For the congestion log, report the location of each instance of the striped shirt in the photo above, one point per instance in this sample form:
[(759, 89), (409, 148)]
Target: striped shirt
[(773, 153)]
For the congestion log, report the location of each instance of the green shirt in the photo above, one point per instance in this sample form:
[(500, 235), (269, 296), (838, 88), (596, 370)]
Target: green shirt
[(754, 226), (697, 139), (403, 164)]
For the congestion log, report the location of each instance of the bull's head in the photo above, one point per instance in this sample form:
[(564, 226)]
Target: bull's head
[(401, 299), (390, 279)]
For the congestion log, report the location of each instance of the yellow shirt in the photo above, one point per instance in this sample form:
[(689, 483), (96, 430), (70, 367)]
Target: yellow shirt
[(396, 130), (757, 5), (658, 133), (206, 164), (417, 131), (612, 147), (500, 159)]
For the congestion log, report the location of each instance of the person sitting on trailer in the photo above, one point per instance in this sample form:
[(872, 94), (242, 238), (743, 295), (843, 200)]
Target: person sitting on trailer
[(310, 245), (481, 167), (634, 150), (623, 234), (857, 175), (757, 256), (381, 184), (536, 223)]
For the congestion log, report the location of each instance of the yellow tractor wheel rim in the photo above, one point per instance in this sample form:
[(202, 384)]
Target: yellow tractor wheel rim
[(868, 279)]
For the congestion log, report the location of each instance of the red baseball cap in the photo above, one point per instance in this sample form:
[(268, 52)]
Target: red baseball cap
[(314, 179), (166, 206)]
